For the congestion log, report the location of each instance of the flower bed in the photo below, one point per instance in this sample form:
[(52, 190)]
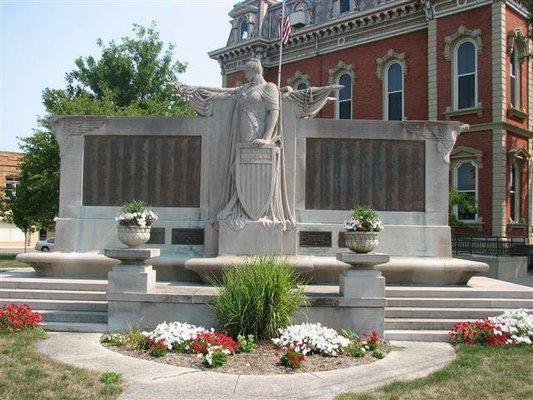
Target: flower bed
[(511, 328), (15, 317), (305, 347)]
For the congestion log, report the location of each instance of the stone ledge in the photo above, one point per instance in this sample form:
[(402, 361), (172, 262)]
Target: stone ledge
[(449, 113)]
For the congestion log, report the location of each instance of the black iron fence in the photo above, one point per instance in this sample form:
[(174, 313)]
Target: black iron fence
[(491, 245)]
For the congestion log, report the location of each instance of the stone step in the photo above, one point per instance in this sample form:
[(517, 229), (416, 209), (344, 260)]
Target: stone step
[(97, 285), (445, 313), (455, 292), (64, 305), (75, 327), (422, 324), (94, 317), (411, 302), (418, 335), (52, 294)]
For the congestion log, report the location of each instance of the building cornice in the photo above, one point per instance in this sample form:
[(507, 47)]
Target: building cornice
[(526, 133)]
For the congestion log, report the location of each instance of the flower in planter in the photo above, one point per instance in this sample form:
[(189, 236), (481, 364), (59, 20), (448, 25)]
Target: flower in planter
[(206, 340), (292, 359), (157, 348), (215, 356), (136, 214), (363, 219), (177, 335), (372, 340), (14, 317), (113, 339)]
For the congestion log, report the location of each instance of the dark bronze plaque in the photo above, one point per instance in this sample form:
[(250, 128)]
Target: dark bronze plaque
[(187, 236), (164, 171), (315, 239), (157, 236), (388, 175)]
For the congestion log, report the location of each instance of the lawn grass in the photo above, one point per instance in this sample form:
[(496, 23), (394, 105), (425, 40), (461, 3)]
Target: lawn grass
[(9, 261), (479, 372), (26, 374)]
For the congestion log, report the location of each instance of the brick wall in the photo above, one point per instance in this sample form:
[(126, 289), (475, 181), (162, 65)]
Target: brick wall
[(9, 166)]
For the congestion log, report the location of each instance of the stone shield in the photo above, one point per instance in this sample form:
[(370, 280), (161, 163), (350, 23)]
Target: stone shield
[(256, 178)]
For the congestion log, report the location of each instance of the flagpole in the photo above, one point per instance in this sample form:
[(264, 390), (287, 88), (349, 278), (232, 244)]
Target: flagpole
[(282, 22)]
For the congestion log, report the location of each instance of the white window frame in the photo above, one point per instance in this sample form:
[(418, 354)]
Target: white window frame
[(517, 192), (337, 103), (386, 90), (455, 88), (455, 184), (515, 79)]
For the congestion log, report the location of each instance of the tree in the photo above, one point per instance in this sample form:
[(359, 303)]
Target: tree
[(129, 78), (465, 204)]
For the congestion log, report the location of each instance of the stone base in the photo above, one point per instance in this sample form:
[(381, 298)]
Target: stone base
[(131, 278), (362, 284), (252, 239)]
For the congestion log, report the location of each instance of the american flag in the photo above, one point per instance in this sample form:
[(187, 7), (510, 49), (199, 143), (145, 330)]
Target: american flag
[(284, 29)]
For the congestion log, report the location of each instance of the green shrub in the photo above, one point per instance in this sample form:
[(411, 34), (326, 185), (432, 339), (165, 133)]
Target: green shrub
[(111, 377), (113, 339), (258, 298), (135, 337), (355, 350), (378, 354), (246, 344)]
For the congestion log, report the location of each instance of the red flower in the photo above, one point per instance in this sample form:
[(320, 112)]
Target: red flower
[(483, 331), (14, 317), (205, 340)]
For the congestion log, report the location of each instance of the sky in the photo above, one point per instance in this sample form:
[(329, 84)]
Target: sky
[(41, 39)]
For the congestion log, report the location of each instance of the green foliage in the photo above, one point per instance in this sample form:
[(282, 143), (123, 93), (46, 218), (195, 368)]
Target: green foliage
[(465, 204), (257, 298), (246, 343), (349, 334), (113, 339), (136, 206), (158, 352), (355, 350), (111, 377), (367, 218), (378, 354), (218, 358), (129, 78)]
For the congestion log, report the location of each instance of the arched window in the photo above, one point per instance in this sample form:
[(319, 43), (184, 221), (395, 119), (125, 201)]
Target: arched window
[(514, 74), (514, 192), (466, 181), (244, 30), (344, 6), (465, 75), (344, 103), (302, 86), (394, 92)]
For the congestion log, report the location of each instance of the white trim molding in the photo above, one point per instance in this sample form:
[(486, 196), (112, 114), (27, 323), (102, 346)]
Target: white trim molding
[(462, 33), (519, 155), (385, 61), (465, 153), (455, 179)]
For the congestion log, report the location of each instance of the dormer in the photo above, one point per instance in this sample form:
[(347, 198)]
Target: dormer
[(301, 14), (247, 20)]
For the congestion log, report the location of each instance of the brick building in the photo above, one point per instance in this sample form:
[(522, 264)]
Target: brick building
[(414, 60)]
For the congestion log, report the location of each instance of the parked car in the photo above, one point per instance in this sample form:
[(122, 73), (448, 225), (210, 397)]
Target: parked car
[(45, 245)]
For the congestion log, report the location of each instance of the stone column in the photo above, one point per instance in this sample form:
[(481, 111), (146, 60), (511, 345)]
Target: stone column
[(364, 288), (132, 274), (499, 154), (432, 70)]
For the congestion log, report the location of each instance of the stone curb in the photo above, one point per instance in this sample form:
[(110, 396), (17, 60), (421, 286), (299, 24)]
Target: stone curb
[(153, 380)]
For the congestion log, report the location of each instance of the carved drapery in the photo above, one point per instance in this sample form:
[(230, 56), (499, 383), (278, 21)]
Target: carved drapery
[(311, 100), (298, 78), (445, 139)]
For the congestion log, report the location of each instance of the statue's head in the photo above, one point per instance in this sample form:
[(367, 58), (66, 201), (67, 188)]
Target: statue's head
[(253, 68)]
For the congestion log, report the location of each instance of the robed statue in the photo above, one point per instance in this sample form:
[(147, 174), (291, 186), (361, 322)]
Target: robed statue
[(254, 187)]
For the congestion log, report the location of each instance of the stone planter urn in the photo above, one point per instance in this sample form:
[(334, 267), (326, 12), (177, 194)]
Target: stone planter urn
[(133, 236), (361, 242)]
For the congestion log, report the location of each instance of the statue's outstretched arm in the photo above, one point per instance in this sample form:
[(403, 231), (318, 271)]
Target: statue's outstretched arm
[(201, 98)]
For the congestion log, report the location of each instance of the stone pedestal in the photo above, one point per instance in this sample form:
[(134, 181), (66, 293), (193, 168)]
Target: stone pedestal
[(364, 287), (252, 239), (132, 274)]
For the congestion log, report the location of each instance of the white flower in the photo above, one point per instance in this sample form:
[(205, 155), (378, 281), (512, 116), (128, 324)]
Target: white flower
[(306, 338), (517, 323), (174, 333)]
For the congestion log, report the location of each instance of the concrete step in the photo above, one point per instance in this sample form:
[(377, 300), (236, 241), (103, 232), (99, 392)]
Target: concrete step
[(423, 324), (93, 317), (93, 285), (445, 313), (418, 335), (64, 305), (52, 294), (433, 302), (75, 327), (455, 292)]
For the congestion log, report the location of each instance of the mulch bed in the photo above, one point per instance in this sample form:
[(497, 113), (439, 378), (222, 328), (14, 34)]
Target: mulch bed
[(264, 360)]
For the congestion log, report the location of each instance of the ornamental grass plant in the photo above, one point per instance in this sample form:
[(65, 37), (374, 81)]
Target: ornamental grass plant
[(258, 298)]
